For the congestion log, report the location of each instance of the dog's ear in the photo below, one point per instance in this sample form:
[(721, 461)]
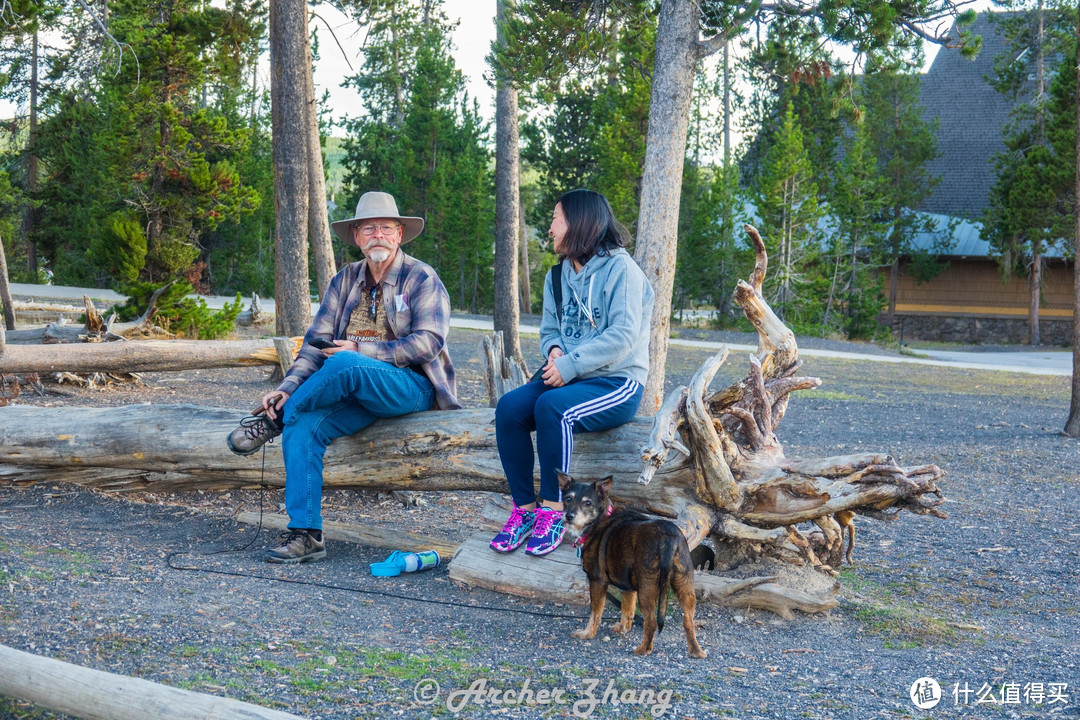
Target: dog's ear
[(603, 487), (565, 481)]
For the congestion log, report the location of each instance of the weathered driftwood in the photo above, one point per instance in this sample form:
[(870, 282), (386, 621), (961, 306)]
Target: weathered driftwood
[(143, 356), (254, 315), (95, 695), (502, 374)]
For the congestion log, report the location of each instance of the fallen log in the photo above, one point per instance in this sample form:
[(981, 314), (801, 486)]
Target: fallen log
[(95, 695), (142, 356)]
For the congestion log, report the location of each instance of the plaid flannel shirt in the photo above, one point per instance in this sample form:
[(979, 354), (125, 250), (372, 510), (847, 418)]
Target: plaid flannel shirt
[(417, 309)]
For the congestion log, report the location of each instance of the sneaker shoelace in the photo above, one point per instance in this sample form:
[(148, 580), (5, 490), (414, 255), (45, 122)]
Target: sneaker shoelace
[(544, 519), (256, 426), (517, 517), (290, 535)]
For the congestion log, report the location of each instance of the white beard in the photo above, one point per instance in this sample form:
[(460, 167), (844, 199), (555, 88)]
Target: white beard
[(379, 255)]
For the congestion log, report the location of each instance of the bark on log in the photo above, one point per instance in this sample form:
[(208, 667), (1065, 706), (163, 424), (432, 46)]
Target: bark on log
[(95, 695), (143, 356)]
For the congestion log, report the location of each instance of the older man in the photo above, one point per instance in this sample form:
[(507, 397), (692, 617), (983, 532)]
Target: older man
[(382, 327)]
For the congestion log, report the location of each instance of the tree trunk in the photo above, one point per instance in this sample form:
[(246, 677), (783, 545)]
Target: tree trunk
[(507, 201), (1035, 290), (318, 217), (525, 284), (30, 213), (86, 693), (1072, 425), (141, 356), (729, 480), (894, 281), (658, 220), (288, 67), (5, 290)]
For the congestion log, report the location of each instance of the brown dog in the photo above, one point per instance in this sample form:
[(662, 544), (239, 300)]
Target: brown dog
[(636, 553)]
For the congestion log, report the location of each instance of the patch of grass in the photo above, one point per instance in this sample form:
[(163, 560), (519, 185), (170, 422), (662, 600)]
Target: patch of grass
[(18, 710), (827, 394), (901, 624)]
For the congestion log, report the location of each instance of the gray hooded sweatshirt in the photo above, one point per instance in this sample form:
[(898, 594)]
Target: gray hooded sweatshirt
[(606, 310)]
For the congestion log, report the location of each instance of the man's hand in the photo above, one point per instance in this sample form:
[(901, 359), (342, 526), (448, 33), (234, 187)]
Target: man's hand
[(341, 345), (551, 373), (273, 402)]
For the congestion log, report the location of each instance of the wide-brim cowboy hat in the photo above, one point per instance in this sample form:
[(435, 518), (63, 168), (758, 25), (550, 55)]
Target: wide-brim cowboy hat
[(376, 205)]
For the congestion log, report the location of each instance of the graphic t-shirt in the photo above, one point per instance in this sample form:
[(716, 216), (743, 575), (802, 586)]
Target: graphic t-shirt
[(367, 323)]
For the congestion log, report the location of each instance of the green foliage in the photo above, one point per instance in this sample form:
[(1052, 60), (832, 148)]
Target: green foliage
[(790, 69), (178, 313), (120, 247)]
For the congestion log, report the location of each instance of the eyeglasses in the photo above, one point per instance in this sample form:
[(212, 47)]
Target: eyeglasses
[(370, 229)]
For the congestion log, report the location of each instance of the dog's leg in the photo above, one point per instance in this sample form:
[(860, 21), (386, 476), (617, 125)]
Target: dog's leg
[(846, 519), (629, 604), (598, 597), (682, 582), (647, 597)]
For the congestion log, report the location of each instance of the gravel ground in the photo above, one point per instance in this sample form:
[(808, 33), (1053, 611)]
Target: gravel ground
[(985, 598)]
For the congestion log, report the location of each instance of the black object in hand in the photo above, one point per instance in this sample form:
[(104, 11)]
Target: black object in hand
[(321, 344)]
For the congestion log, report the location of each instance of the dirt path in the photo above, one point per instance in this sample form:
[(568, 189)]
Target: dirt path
[(988, 596)]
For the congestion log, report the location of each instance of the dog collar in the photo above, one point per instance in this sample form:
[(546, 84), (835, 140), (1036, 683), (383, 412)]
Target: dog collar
[(580, 542)]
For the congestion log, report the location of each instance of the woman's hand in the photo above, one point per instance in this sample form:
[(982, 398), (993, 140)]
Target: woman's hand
[(273, 402), (341, 345), (551, 374)]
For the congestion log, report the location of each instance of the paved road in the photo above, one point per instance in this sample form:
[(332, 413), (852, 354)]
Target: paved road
[(1043, 362)]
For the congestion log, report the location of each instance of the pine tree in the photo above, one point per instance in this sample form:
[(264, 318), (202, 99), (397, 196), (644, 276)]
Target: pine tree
[(903, 144), (143, 141), (1022, 195), (858, 203), (786, 198)]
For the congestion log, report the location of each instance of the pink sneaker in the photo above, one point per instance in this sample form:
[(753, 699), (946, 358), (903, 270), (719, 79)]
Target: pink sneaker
[(514, 532), (547, 533)]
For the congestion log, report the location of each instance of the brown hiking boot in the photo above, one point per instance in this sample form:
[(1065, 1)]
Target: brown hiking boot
[(297, 546), (254, 432)]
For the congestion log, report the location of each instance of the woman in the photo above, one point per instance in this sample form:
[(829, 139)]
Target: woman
[(597, 349)]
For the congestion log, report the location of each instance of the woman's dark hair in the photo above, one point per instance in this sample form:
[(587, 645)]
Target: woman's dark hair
[(591, 225)]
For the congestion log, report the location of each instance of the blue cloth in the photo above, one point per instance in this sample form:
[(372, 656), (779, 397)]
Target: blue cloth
[(556, 414), (348, 393)]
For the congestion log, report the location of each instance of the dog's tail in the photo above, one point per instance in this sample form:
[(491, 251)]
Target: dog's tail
[(667, 557)]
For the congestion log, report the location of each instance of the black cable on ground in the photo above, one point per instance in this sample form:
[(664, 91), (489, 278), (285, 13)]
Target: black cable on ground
[(330, 586)]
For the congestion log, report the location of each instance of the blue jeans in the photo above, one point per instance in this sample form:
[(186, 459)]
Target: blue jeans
[(556, 414), (348, 393)]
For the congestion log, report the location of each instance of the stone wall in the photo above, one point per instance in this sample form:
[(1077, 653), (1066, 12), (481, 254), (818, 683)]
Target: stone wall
[(980, 331)]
